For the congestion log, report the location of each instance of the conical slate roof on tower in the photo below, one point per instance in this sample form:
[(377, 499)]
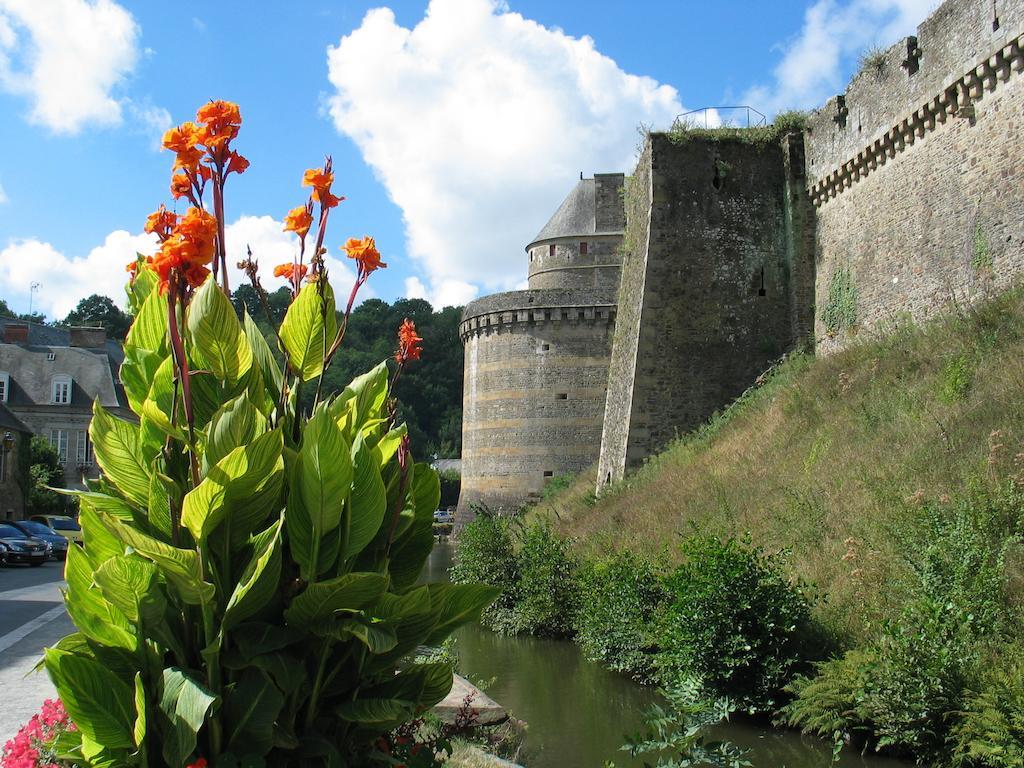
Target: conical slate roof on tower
[(575, 217)]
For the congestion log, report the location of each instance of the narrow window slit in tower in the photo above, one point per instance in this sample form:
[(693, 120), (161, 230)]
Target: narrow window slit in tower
[(761, 291), (583, 249), (562, 396), (551, 250), (549, 473), (545, 347)]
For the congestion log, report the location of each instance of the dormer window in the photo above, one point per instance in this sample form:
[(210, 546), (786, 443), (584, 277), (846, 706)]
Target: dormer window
[(5, 386), (62, 390)]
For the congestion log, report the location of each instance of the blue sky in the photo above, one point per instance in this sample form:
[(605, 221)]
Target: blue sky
[(456, 126)]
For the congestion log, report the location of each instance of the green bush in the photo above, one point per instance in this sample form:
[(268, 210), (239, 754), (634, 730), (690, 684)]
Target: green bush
[(831, 703), (620, 598), (905, 691), (486, 554), (734, 621), (546, 597), (989, 733), (533, 567), (678, 734)]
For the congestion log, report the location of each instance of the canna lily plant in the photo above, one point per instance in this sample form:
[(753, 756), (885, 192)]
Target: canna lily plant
[(247, 593)]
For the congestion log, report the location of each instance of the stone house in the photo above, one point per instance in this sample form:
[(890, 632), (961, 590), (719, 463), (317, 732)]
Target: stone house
[(49, 378), (15, 439)]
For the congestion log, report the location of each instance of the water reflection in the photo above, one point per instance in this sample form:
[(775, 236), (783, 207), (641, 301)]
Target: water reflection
[(578, 712)]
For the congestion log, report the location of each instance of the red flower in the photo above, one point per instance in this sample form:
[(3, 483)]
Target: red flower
[(200, 763), (408, 342)]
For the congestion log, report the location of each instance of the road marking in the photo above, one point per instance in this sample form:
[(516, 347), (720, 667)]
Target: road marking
[(28, 628)]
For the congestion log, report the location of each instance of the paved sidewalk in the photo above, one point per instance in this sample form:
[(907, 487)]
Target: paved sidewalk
[(33, 617)]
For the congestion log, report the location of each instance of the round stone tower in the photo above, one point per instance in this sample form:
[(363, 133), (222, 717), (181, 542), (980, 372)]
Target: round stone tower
[(537, 360)]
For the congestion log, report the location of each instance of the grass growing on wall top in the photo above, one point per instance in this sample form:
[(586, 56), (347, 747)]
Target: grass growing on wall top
[(785, 122), (833, 459)]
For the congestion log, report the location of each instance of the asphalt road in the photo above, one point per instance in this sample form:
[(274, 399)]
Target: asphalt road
[(32, 616)]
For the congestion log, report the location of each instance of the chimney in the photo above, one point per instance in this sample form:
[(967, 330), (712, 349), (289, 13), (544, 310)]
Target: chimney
[(16, 333), (89, 338)]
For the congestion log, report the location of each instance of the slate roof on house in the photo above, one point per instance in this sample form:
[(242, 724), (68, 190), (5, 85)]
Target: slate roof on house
[(93, 370), (9, 421)]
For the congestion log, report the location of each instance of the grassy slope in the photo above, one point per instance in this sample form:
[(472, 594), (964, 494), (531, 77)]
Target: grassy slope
[(830, 458)]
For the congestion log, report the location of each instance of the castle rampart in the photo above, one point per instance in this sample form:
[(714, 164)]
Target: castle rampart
[(902, 195), (916, 172), (711, 273)]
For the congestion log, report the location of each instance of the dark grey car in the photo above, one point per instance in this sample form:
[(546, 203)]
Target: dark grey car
[(21, 548)]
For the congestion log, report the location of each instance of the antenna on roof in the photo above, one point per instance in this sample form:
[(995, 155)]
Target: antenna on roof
[(581, 175), (33, 287)]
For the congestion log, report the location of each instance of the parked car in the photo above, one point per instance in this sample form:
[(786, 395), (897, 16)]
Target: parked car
[(66, 526), (37, 530), (443, 517), (22, 548)]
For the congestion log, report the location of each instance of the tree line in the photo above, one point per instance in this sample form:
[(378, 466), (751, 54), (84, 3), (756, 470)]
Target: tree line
[(429, 390)]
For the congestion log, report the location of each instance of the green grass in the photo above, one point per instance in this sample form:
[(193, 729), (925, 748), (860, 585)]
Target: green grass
[(832, 458)]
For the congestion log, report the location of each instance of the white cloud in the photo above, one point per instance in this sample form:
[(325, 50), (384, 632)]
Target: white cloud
[(150, 121), (272, 246), (815, 63), (66, 279), (67, 56), (478, 122), (3, 195), (414, 288)]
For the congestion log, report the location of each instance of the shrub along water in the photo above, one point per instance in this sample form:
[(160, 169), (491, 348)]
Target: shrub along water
[(247, 593)]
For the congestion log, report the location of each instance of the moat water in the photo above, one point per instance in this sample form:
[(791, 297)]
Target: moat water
[(578, 713)]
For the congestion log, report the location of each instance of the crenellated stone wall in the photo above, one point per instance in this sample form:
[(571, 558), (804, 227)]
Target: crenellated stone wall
[(916, 173)]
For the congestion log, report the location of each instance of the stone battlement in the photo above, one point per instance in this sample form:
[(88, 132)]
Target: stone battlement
[(956, 100)]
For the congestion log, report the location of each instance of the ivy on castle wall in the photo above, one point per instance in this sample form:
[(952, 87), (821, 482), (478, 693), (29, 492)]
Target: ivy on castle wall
[(840, 311), (981, 257)]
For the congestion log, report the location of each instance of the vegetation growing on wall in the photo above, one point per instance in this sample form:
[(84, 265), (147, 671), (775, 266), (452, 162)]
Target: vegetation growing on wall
[(981, 253), (840, 310), (784, 123)]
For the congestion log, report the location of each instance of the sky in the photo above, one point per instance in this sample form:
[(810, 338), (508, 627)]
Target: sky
[(456, 126)]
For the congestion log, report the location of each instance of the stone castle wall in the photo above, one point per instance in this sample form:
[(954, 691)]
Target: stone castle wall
[(903, 194), (917, 173), (709, 282), (536, 367)]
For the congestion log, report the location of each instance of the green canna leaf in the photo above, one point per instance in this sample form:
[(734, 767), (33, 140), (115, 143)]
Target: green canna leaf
[(304, 332), (232, 480), (217, 336), (321, 481), (116, 445)]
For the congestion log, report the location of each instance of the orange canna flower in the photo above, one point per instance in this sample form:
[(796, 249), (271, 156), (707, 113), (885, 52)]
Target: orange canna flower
[(187, 249), (182, 141), (220, 115), (182, 137), (287, 271), (222, 120), (317, 178), (236, 164), (408, 342), (298, 220), (161, 222), (180, 185), (321, 179), (365, 252)]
